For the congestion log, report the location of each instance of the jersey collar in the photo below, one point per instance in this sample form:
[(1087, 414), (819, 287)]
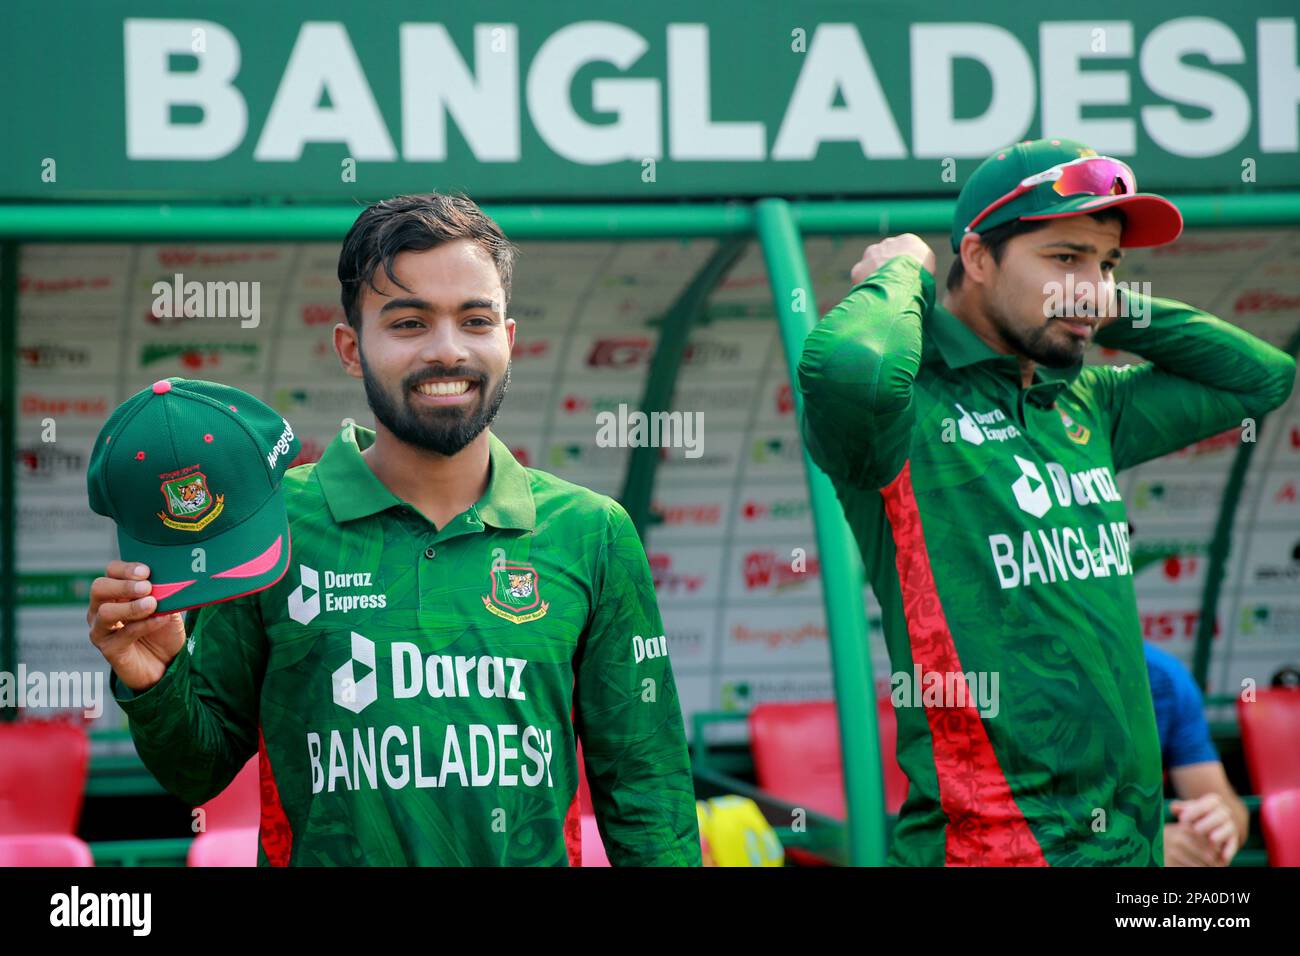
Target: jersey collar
[(353, 491), (959, 347)]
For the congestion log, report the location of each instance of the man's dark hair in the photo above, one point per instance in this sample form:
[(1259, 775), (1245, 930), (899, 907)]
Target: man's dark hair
[(416, 222), (996, 239)]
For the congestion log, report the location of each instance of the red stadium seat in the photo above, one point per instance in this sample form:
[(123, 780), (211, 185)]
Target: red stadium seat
[(1279, 815), (230, 846), (797, 758), (42, 776), (239, 805), (44, 849), (1270, 736)]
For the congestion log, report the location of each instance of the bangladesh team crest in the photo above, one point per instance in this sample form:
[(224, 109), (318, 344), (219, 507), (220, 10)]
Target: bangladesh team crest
[(1079, 434), (515, 594), (191, 506)]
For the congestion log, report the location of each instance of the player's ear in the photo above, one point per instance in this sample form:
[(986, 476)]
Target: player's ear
[(347, 347), (510, 335), (976, 259)]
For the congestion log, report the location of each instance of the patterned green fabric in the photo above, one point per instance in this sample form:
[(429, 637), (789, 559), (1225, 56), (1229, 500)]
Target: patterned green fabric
[(418, 690)]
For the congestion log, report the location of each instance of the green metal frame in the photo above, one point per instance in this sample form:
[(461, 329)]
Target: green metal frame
[(778, 226), (643, 463), (9, 469), (841, 565), (92, 222)]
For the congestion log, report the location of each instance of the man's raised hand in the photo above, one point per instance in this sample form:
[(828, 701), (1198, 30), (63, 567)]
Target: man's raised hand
[(877, 254), (138, 647)]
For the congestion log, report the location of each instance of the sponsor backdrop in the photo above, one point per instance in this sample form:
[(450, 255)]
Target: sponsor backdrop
[(641, 101), (732, 550)]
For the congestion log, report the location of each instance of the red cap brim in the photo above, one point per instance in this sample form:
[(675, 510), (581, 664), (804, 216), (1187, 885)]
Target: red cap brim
[(1150, 220)]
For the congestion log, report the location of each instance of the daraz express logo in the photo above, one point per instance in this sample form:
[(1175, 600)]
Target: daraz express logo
[(1035, 496), (305, 600)]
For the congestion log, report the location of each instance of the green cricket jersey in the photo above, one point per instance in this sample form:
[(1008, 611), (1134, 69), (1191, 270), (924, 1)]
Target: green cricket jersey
[(415, 694), (996, 541)]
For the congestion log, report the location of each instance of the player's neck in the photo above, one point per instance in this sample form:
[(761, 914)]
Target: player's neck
[(438, 486), (971, 312)]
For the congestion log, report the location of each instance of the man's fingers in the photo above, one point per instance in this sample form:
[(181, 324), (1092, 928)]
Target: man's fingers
[(115, 611), (126, 569), (1230, 848), (1189, 811), (124, 581), (116, 589), (1223, 833), (1212, 820), (1201, 851), (113, 643)]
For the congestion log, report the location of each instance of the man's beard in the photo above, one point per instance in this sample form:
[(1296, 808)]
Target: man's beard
[(1037, 346), (444, 431)]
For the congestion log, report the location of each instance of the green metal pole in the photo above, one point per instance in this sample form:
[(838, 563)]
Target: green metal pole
[(841, 565), (190, 222), (8, 431), (86, 222), (643, 463)]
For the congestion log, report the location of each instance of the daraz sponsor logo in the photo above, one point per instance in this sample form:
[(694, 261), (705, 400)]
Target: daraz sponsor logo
[(1061, 554), (394, 757), (1091, 486)]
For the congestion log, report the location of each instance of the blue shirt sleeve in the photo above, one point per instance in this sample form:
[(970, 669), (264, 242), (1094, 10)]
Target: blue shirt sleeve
[(1180, 711)]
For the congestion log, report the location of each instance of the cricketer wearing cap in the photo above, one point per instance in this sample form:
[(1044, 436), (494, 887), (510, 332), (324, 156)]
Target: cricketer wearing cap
[(975, 458), (451, 623)]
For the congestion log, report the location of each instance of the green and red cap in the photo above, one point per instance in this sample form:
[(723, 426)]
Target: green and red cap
[(190, 471), (1054, 178)]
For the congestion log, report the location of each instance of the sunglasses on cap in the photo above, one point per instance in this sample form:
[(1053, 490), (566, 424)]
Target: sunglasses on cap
[(1087, 175)]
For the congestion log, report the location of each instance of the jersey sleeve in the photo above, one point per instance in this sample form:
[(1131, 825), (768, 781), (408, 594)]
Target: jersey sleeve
[(857, 373), (197, 727), (1203, 376), (1189, 734), (628, 715)]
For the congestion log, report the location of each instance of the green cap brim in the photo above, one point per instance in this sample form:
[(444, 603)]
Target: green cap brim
[(248, 558)]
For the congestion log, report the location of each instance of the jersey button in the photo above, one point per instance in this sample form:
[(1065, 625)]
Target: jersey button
[(430, 553)]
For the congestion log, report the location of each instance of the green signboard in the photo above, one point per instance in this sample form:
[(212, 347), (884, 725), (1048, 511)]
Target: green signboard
[(332, 100)]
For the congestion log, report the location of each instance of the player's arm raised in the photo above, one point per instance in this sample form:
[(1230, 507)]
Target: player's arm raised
[(1203, 376), (628, 715), (859, 363), (191, 705)]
